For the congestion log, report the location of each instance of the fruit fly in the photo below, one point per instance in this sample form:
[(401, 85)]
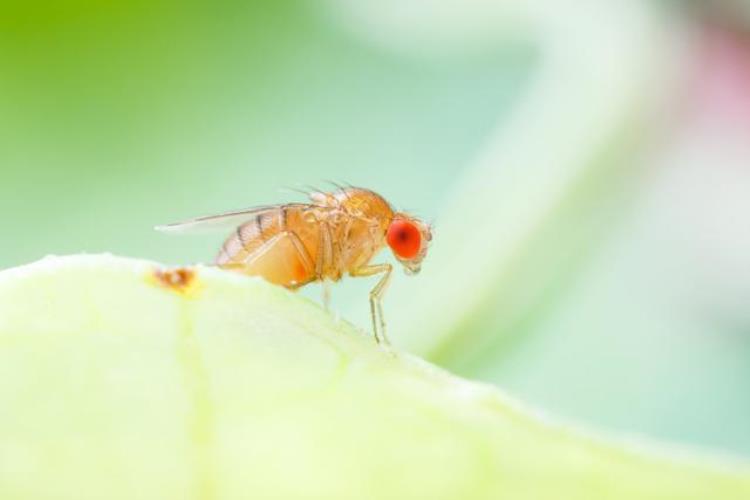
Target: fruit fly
[(337, 233)]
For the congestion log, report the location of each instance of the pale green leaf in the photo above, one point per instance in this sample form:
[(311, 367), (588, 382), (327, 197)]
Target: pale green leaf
[(115, 384)]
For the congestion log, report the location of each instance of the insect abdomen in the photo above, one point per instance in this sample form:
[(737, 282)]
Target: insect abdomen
[(279, 243)]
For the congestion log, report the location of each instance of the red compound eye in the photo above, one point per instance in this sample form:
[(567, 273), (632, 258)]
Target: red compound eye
[(404, 239)]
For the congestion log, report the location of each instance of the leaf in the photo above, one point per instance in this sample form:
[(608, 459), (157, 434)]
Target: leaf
[(120, 380)]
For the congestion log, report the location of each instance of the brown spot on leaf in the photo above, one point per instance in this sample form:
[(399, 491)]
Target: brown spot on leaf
[(182, 280)]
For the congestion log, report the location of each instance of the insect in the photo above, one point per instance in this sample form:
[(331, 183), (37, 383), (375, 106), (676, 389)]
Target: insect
[(337, 233)]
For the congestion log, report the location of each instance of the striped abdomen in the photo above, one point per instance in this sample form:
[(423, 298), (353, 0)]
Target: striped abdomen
[(279, 243)]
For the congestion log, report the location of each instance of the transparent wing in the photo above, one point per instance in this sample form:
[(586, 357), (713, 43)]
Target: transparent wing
[(225, 221)]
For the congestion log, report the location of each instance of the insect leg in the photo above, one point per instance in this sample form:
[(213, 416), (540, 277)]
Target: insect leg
[(325, 252), (300, 247), (376, 296), (324, 263), (326, 287), (283, 259)]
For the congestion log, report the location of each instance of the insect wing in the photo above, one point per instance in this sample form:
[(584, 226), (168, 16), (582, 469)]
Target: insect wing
[(225, 221)]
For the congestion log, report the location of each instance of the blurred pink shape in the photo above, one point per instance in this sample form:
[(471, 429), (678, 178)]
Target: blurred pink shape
[(722, 88)]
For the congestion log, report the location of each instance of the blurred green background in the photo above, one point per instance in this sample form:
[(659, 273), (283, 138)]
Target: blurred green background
[(587, 165)]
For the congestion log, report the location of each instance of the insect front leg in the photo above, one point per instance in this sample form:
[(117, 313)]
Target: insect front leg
[(376, 296)]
